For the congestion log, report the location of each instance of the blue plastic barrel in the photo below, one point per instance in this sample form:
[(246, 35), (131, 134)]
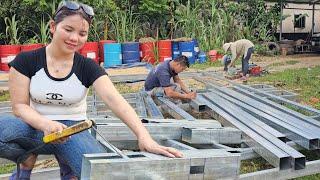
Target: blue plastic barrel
[(112, 54), (175, 50), (130, 52), (196, 48), (202, 57), (187, 49)]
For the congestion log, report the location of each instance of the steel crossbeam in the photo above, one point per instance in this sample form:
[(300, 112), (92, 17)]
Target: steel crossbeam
[(140, 106), (5, 110), (152, 108), (159, 131), (225, 135), (196, 164), (174, 110), (303, 138), (5, 104), (298, 159)]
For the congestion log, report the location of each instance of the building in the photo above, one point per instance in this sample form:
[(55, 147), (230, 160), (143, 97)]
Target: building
[(299, 16)]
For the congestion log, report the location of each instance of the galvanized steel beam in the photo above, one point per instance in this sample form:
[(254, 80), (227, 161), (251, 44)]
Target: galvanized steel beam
[(152, 108), (160, 131), (140, 106), (199, 164), (224, 135), (303, 138), (273, 97), (282, 113), (281, 100), (260, 145), (197, 105), (174, 110), (298, 159)]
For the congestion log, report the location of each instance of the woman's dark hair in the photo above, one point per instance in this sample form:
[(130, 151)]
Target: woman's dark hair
[(65, 12)]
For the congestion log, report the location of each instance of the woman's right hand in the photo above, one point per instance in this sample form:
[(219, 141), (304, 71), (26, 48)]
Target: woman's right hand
[(52, 127)]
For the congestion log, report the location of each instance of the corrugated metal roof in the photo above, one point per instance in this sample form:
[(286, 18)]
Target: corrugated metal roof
[(303, 1), (299, 1)]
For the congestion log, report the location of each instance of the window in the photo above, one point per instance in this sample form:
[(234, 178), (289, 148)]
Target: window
[(299, 21)]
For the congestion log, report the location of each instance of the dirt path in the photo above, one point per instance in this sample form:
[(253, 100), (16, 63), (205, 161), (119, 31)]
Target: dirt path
[(280, 63)]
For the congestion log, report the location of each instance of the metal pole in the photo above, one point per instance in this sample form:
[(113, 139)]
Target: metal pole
[(281, 13), (312, 27)]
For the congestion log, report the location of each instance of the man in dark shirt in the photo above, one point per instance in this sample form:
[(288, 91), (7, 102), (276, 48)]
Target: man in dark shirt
[(158, 82)]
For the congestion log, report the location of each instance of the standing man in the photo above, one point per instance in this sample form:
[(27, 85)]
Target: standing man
[(242, 47), (158, 82)]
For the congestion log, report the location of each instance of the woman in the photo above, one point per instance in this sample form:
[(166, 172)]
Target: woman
[(48, 89)]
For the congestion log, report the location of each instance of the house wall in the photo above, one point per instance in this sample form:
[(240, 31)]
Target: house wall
[(292, 9)]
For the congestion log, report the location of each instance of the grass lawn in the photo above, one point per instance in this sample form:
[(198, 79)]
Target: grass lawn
[(305, 81)]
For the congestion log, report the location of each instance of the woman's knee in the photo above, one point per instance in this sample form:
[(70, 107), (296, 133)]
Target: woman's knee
[(11, 151), (12, 127)]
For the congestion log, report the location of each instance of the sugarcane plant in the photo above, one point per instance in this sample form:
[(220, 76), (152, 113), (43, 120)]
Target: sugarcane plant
[(12, 29), (44, 36), (124, 25)]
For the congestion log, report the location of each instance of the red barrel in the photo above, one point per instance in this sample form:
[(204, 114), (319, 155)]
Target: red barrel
[(101, 52), (165, 50), (213, 55), (7, 54), (29, 47), (147, 50), (90, 50)]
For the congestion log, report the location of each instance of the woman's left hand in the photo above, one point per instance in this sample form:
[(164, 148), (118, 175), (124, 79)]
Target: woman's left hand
[(149, 145)]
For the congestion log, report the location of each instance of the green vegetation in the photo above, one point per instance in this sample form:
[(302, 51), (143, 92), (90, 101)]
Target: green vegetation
[(212, 22), (292, 62), (306, 79), (7, 168), (4, 96), (311, 177), (252, 165), (206, 65), (209, 64)]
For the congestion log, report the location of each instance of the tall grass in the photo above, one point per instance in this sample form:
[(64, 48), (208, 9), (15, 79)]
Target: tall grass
[(44, 36), (208, 22), (124, 25), (12, 29)]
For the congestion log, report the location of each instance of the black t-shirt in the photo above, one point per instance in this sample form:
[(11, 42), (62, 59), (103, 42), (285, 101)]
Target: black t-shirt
[(58, 98)]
